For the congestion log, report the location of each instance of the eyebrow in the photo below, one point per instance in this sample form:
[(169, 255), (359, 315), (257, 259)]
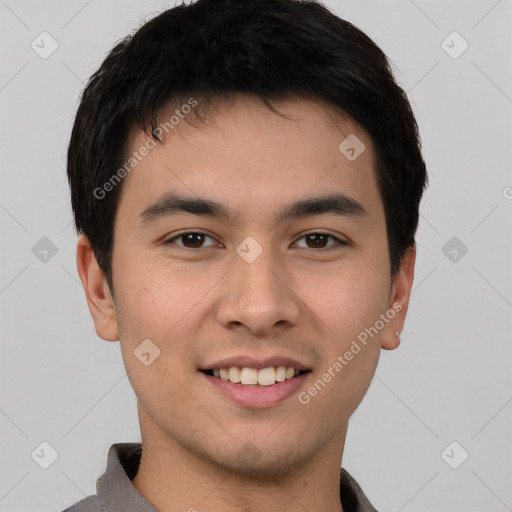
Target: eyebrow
[(172, 203)]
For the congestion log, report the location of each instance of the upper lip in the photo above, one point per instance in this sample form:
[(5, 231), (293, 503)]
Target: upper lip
[(255, 362)]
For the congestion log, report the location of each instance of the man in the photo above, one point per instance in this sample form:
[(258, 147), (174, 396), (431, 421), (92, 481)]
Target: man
[(245, 176)]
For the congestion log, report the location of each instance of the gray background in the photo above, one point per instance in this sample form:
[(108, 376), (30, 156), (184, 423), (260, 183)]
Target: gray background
[(449, 381)]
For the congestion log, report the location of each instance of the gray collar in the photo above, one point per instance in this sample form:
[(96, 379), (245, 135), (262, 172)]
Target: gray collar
[(116, 493)]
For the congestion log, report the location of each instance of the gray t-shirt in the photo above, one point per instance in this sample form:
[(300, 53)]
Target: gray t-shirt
[(116, 493)]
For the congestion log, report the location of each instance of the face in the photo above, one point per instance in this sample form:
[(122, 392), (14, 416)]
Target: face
[(250, 282)]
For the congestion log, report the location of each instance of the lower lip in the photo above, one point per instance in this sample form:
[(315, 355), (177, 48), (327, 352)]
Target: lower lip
[(256, 396)]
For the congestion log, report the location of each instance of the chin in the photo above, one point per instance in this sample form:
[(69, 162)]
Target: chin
[(264, 464)]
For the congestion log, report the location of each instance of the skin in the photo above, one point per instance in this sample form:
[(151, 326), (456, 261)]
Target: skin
[(296, 299)]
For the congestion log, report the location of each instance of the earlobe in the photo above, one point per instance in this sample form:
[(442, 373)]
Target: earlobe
[(391, 343), (399, 301), (99, 299)]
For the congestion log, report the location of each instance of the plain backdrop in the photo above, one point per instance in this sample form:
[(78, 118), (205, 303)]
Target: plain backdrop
[(450, 380)]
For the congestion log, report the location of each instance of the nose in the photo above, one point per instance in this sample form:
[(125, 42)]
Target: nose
[(258, 297)]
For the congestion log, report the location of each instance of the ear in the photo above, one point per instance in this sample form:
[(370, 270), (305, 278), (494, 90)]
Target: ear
[(399, 301), (99, 299)]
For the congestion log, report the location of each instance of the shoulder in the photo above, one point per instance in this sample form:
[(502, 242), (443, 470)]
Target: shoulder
[(89, 504), (353, 497)]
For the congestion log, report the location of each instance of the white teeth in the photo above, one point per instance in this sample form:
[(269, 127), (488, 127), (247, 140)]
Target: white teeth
[(263, 377), (280, 374), (267, 376), (234, 374), (249, 376)]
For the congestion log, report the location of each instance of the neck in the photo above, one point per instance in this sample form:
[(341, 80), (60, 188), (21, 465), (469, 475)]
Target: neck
[(173, 477)]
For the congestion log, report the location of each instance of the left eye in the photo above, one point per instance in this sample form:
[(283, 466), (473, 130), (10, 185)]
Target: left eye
[(319, 240), (194, 240)]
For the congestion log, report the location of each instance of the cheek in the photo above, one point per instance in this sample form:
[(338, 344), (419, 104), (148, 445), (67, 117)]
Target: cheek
[(348, 300), (151, 306), (149, 294), (159, 301), (346, 306)]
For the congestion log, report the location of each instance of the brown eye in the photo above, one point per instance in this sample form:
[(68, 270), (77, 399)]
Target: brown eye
[(190, 240), (319, 240)]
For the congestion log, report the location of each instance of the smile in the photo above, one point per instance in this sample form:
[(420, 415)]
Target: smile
[(252, 376)]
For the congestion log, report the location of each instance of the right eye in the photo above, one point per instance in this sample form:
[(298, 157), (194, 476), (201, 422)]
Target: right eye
[(192, 240)]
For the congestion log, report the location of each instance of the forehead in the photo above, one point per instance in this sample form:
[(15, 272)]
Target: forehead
[(249, 157)]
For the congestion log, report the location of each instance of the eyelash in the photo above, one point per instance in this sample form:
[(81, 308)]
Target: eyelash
[(176, 237)]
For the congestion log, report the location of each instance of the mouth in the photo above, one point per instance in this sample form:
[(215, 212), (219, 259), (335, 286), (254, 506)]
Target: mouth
[(247, 376), (261, 387)]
